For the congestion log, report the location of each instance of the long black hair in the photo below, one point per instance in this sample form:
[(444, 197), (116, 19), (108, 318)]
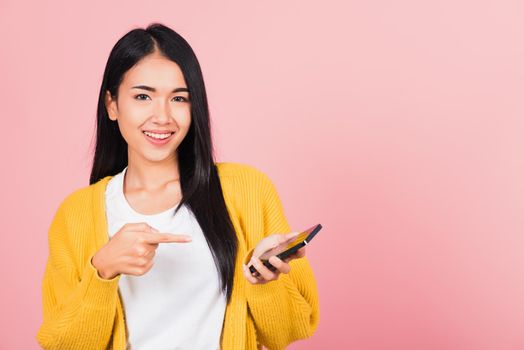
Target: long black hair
[(201, 188)]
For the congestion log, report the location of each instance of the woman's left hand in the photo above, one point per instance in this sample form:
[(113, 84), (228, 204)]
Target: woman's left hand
[(264, 274)]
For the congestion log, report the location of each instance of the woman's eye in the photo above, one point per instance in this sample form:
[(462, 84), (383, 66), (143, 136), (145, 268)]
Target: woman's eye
[(137, 96), (182, 99)]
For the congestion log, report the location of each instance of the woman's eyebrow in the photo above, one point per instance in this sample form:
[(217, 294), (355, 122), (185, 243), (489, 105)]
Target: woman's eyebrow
[(152, 89)]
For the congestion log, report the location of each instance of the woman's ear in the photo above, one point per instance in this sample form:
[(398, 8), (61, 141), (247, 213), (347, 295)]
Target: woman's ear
[(110, 103)]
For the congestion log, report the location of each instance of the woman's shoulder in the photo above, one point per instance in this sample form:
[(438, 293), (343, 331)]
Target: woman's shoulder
[(240, 180), (234, 168), (235, 171), (83, 197)]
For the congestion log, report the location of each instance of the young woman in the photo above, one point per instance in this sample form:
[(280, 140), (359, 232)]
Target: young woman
[(153, 254)]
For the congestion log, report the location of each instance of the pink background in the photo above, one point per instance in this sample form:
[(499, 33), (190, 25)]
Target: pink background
[(398, 125)]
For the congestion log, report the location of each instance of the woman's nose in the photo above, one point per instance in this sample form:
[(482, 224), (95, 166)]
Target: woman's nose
[(162, 111)]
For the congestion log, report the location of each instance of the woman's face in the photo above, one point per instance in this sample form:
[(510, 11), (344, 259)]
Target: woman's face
[(152, 97)]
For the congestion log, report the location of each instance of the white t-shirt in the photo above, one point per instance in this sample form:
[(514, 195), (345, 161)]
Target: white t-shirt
[(178, 303)]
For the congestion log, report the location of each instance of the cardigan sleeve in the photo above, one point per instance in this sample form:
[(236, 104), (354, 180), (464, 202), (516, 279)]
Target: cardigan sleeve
[(78, 308), (286, 309)]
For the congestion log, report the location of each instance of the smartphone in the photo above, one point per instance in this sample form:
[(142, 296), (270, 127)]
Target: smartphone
[(284, 250)]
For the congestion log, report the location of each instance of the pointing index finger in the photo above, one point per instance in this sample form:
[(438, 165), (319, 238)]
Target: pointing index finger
[(166, 238)]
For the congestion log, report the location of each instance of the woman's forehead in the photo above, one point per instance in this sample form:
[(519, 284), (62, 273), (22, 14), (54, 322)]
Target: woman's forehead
[(159, 73)]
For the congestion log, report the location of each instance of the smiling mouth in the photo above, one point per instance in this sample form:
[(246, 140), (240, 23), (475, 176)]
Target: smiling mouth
[(158, 136)]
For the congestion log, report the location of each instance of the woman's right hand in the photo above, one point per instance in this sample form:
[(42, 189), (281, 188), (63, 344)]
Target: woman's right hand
[(131, 250)]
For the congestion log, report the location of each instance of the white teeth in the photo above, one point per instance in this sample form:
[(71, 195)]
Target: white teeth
[(157, 136)]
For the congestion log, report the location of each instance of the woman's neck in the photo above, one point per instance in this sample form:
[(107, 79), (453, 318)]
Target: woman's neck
[(151, 176)]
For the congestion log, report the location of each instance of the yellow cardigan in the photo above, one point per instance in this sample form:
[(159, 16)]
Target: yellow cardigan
[(81, 310)]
